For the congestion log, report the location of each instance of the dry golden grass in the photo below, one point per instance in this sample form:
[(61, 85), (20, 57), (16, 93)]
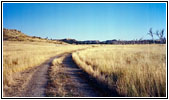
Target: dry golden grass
[(60, 84), (19, 56), (133, 70), (55, 85)]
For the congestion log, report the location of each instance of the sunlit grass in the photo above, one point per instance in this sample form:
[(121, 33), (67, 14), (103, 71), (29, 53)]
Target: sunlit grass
[(134, 70)]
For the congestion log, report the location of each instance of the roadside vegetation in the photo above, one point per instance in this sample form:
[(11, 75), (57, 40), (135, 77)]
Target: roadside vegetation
[(131, 70)]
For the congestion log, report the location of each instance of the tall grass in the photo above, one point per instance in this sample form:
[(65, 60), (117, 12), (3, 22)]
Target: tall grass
[(133, 70), (19, 56)]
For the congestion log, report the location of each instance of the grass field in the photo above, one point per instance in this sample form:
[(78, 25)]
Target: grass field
[(132, 70), (19, 56)]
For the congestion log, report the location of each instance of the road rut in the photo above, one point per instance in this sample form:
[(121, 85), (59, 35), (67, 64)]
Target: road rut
[(76, 76), (37, 84)]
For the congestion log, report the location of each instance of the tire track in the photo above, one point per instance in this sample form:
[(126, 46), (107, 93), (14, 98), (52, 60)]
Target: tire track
[(37, 84), (76, 76)]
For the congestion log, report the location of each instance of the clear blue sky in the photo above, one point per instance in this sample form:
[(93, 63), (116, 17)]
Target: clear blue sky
[(85, 21)]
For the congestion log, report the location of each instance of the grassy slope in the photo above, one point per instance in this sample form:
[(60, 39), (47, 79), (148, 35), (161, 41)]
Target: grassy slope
[(15, 35)]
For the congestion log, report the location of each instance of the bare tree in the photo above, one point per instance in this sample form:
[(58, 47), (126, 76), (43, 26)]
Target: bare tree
[(161, 35), (157, 33), (151, 34)]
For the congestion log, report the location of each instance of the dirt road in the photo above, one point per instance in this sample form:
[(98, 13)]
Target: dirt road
[(37, 84), (38, 79)]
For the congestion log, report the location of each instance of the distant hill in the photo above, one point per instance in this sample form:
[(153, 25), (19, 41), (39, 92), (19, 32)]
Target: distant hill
[(16, 35), (13, 34)]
